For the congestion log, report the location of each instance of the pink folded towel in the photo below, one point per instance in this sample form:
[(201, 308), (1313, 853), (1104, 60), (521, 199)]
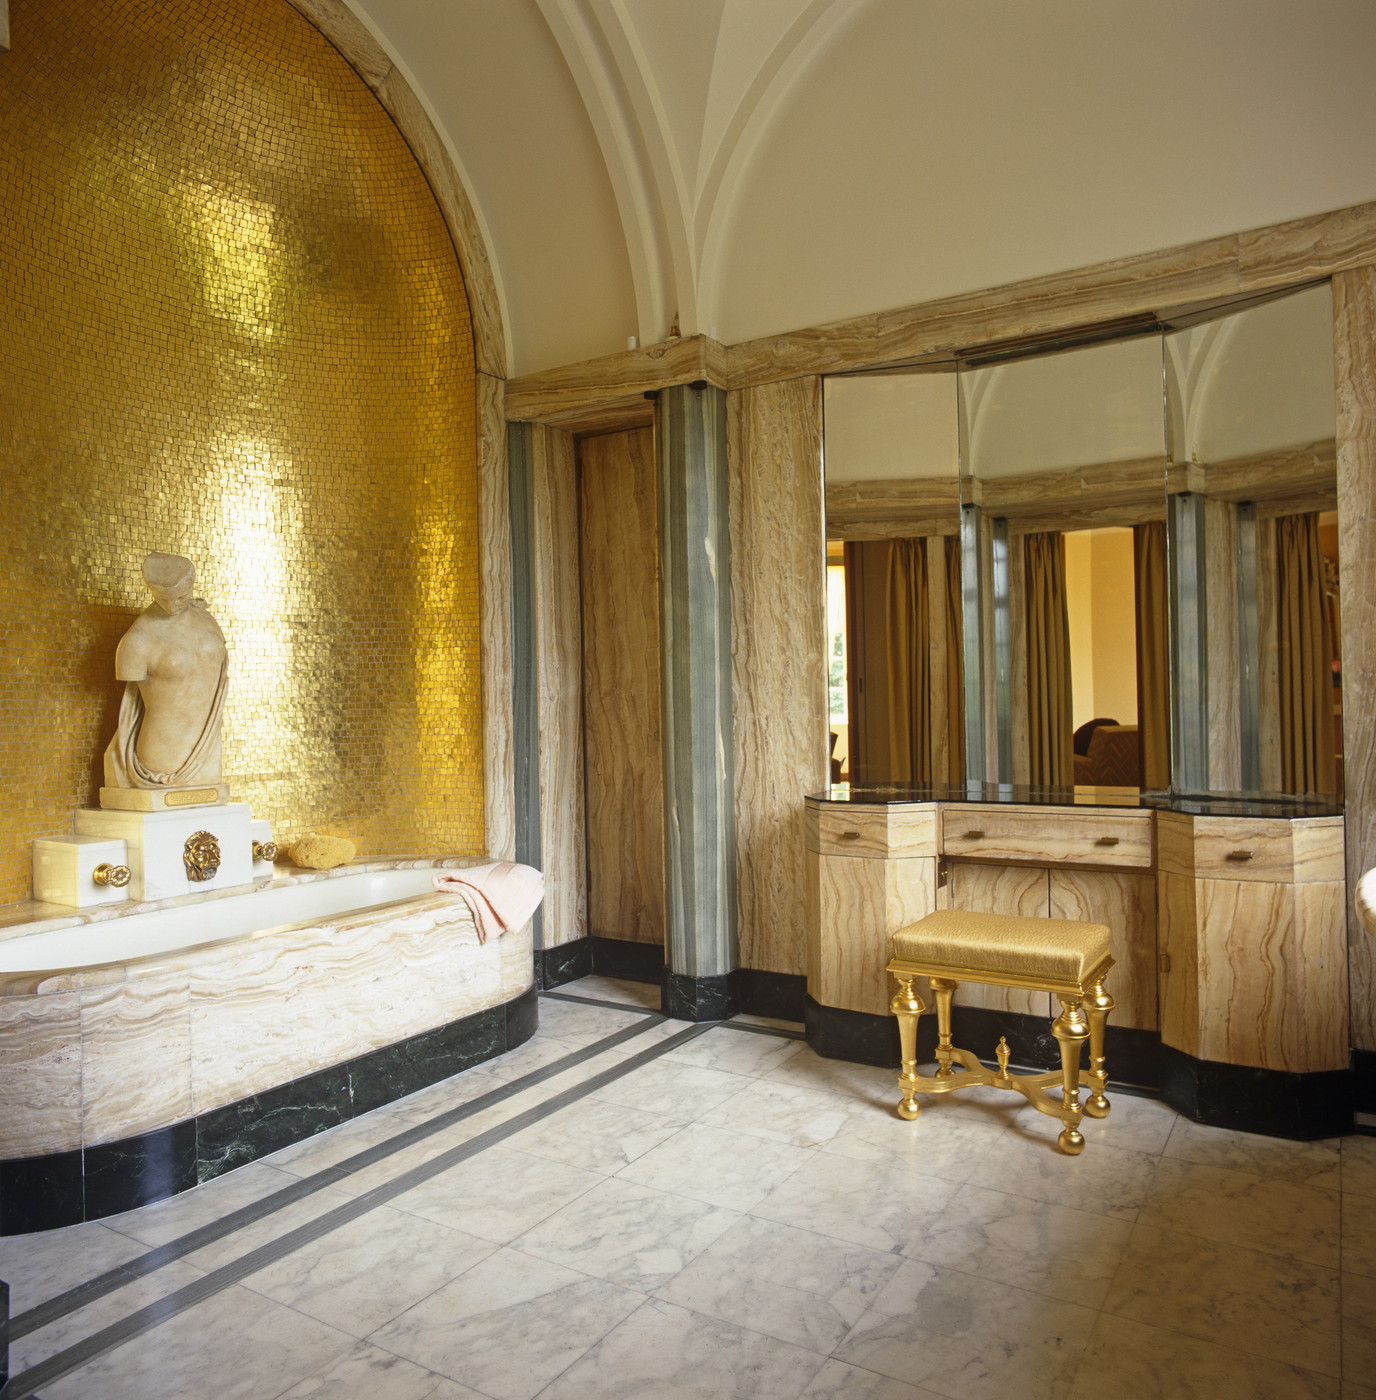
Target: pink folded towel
[(502, 895)]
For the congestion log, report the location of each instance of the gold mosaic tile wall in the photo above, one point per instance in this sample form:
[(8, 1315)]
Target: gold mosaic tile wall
[(232, 326)]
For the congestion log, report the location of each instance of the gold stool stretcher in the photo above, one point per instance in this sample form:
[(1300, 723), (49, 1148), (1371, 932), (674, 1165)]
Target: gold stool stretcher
[(1064, 957)]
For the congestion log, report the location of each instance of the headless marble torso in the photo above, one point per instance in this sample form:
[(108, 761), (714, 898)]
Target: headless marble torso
[(174, 658)]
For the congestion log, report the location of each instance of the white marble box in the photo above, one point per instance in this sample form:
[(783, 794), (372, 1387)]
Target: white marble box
[(157, 841), (64, 870)]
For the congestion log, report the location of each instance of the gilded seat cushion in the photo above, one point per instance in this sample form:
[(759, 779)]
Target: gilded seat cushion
[(1059, 949)]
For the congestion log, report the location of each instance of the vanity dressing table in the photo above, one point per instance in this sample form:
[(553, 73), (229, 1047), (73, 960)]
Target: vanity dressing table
[(1226, 913)]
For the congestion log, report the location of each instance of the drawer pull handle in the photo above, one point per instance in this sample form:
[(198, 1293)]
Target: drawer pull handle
[(850, 836), (1107, 841), (1239, 855), (974, 836)]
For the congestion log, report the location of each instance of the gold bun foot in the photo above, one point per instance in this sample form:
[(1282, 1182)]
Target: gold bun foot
[(1071, 1142), (1097, 1106), (909, 1109)]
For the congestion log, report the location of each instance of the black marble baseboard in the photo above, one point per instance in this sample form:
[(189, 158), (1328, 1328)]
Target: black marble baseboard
[(701, 998), (566, 962), (1302, 1106), (65, 1188), (779, 995), (628, 961), (1364, 1081), (4, 1335)]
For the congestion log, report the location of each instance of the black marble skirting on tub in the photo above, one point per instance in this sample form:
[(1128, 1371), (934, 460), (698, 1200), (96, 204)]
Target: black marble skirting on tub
[(65, 1188), (1266, 1101)]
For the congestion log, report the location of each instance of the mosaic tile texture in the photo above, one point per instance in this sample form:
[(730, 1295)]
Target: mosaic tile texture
[(233, 327)]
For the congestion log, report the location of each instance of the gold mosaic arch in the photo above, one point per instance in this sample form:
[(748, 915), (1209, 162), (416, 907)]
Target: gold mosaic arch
[(236, 329)]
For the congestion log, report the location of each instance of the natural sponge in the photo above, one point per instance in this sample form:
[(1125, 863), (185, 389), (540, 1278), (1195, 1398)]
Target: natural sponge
[(320, 852)]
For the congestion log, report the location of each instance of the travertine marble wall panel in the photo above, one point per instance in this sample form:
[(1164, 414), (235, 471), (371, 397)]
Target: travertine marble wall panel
[(778, 638), (559, 638), (40, 1089), (494, 517), (623, 758), (241, 333), (1354, 344)]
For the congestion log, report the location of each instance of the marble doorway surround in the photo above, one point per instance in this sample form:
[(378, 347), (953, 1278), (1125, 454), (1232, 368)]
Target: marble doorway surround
[(627, 1206)]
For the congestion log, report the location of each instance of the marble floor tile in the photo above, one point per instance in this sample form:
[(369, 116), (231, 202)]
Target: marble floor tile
[(1359, 1328), (267, 1230), (508, 1326), (179, 1215), (1135, 1123), (579, 1023), (666, 1353), (1359, 1236), (1277, 1159), (658, 1087), (1359, 1165), (40, 1266), (1282, 1309), (234, 1346), (948, 1140), (629, 1234), (1067, 1254), (717, 1165), (1105, 1180), (597, 1136), (367, 1272), (866, 1203), (809, 1070), (791, 1284), (329, 1149), (1297, 1222), (65, 1331), (969, 1338), (498, 1194), (736, 1052), (777, 1022), (837, 1381), (368, 1371), (782, 1113), (1128, 1360), (614, 989)]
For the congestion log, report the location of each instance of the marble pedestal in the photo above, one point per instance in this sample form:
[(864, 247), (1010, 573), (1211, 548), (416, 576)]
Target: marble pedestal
[(157, 840), (163, 799)]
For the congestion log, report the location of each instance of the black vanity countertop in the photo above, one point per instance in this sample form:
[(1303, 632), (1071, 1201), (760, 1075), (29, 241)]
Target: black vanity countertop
[(1280, 806)]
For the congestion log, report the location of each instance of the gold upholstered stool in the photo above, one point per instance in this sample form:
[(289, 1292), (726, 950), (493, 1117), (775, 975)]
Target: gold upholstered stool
[(1062, 956)]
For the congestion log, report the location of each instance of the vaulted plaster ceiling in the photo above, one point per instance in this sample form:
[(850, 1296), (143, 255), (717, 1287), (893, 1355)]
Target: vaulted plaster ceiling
[(754, 166)]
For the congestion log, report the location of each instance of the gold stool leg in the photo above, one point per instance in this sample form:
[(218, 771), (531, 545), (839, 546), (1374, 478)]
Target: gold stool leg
[(944, 989), (1071, 1030), (907, 1006), (1097, 1006)]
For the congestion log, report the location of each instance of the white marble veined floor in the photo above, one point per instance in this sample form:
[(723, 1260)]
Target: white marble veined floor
[(740, 1218)]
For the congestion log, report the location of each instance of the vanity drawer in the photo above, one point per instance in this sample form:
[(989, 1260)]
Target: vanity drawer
[(852, 830), (1253, 848), (1048, 835)]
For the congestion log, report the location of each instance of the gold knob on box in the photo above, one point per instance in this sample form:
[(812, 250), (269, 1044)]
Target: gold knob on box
[(265, 850), (107, 874)]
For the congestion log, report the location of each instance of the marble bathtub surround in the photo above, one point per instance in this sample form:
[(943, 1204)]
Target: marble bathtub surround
[(604, 1240)]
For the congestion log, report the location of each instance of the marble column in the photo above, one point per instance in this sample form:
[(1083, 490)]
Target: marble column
[(695, 649)]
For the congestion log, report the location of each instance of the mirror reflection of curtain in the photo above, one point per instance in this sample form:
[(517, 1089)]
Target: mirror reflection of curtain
[(1049, 712), (907, 623), (1308, 762), (1153, 665), (955, 667)]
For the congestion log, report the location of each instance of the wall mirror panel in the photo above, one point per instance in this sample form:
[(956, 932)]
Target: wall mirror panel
[(1108, 566), (1256, 668)]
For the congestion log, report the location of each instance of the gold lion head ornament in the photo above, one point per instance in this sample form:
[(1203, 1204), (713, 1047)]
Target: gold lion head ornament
[(202, 856)]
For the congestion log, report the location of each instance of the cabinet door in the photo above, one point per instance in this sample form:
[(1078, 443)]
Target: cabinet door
[(861, 903), (1127, 904), (1001, 889), (1178, 934)]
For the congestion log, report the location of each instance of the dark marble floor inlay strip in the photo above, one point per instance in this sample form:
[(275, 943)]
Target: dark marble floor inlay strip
[(145, 1264), (23, 1386), (778, 1031)]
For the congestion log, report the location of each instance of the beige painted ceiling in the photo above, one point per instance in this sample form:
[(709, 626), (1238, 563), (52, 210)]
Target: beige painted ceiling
[(754, 166)]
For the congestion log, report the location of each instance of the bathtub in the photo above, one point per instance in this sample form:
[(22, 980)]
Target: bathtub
[(145, 1049)]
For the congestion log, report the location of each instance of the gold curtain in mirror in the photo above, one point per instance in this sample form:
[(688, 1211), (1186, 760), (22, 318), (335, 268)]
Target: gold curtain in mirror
[(908, 624), (1153, 663), (1308, 761), (1049, 711), (954, 698)]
